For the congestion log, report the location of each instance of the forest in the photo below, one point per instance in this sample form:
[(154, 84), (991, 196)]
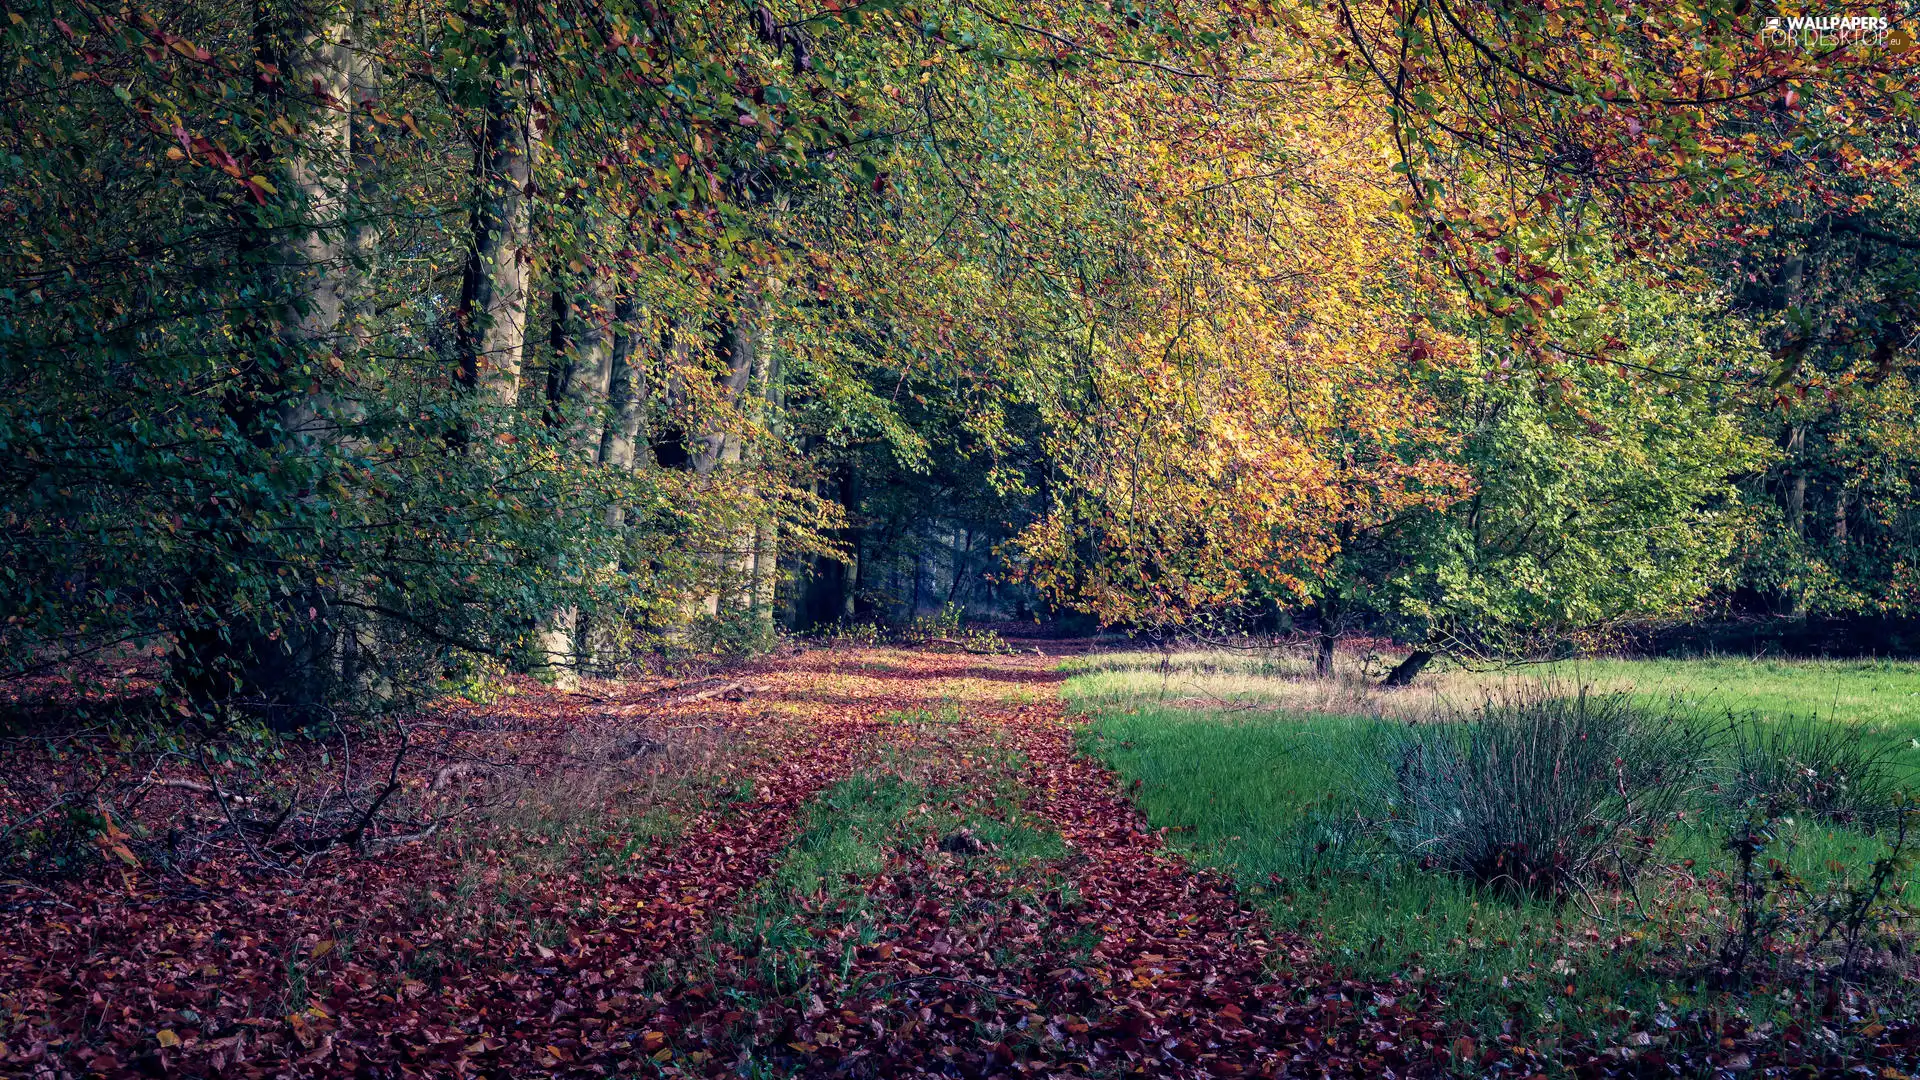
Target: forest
[(805, 537)]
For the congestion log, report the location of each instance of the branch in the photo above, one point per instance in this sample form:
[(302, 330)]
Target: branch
[(1854, 225)]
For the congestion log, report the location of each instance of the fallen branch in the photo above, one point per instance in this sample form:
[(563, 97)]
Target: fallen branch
[(208, 790), (459, 771), (727, 691), (374, 844)]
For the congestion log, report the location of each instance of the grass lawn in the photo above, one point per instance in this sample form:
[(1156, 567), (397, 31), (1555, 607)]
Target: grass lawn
[(1253, 768)]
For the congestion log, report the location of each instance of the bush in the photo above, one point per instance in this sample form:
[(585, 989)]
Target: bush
[(734, 633), (1841, 772), (1538, 794)]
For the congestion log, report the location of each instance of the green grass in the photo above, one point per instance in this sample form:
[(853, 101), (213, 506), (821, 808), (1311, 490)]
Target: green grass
[(1881, 695), (846, 837), (1260, 785), (850, 833)]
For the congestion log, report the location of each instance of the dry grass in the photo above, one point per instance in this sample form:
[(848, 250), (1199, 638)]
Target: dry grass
[(1883, 694), (1276, 681)]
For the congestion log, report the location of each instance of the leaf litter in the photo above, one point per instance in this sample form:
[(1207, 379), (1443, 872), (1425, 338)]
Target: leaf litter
[(994, 907)]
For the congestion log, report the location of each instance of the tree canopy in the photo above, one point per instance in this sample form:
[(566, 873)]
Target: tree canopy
[(346, 341)]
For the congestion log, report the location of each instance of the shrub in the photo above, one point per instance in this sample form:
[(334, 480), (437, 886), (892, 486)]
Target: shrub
[(734, 633), (1841, 772), (1537, 794)]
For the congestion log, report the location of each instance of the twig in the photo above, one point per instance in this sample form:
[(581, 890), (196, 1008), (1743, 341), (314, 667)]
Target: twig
[(203, 789), (52, 897), (353, 837), (381, 842), (38, 814), (273, 828), (219, 796)]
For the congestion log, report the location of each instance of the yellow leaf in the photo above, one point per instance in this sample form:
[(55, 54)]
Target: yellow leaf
[(168, 1038), (321, 949)]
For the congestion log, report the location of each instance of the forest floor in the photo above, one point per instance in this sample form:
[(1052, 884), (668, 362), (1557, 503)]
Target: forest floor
[(861, 862)]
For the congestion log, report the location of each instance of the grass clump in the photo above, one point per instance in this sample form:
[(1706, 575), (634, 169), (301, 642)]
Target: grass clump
[(1840, 772), (847, 834), (1537, 795)]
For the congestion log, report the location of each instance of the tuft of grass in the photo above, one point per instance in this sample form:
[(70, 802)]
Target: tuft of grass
[(847, 834), (1537, 794), (1840, 772)]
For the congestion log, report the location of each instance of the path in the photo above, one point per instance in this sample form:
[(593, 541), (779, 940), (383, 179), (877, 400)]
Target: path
[(1112, 959), (1176, 983)]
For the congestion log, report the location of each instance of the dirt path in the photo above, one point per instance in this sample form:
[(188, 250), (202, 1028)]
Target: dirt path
[(1094, 954), (1123, 960)]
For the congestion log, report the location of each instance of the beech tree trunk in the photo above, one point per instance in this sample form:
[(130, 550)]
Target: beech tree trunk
[(358, 642), (582, 371), (281, 659), (491, 324), (295, 673), (766, 401), (577, 385), (626, 398), (1795, 499), (739, 345)]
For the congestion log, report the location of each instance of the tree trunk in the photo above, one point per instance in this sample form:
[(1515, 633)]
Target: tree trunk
[(582, 371), (312, 253), (281, 657), (620, 436), (737, 344), (852, 538), (1409, 669), (1796, 508), (491, 325), (1323, 655), (295, 672), (577, 386), (766, 572), (626, 398), (364, 77), (767, 399), (358, 647), (962, 549), (740, 345), (919, 572)]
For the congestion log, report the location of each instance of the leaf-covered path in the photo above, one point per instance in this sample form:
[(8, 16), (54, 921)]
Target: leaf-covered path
[(1113, 959), (893, 863)]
